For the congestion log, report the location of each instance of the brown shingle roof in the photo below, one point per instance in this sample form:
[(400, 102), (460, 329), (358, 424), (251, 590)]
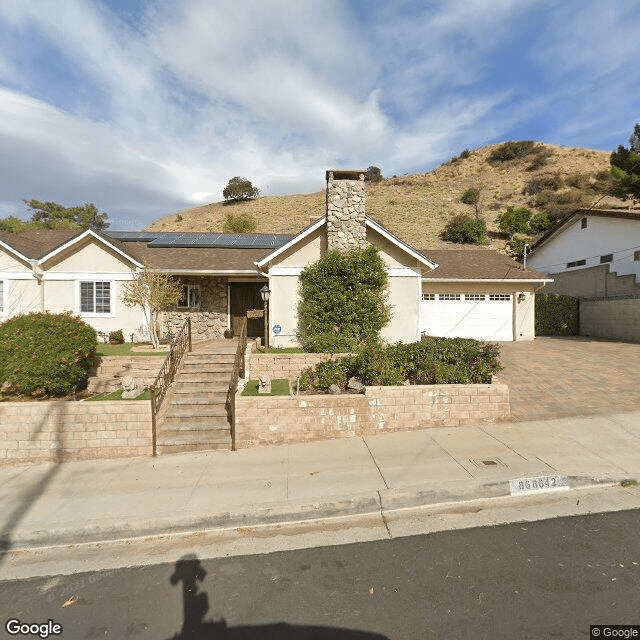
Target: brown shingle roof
[(36, 243), (476, 264), (196, 258)]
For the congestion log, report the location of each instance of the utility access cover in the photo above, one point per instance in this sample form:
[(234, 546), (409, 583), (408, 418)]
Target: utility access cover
[(537, 484)]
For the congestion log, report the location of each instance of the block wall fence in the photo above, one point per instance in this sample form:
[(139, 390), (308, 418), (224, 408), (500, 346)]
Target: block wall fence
[(303, 418), (287, 366), (34, 432)]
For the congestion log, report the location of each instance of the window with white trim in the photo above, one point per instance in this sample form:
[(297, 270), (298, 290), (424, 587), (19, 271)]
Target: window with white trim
[(190, 297), (449, 296), (428, 296), (95, 297), (474, 296), (576, 263), (606, 258), (499, 297)]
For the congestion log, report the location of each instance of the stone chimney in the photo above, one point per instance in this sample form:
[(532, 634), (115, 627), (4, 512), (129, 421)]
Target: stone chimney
[(345, 209)]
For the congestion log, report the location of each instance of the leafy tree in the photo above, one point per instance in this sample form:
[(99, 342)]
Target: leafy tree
[(516, 246), (542, 221), (625, 168), (343, 305), (465, 230), (154, 292), (472, 196), (515, 220), (52, 215), (373, 174), (240, 189)]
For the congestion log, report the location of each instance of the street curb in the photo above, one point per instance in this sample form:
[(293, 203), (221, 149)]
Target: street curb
[(380, 502)]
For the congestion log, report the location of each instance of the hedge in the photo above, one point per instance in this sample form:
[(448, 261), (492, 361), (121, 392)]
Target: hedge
[(557, 315)]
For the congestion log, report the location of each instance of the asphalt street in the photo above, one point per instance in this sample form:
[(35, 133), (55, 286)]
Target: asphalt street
[(547, 579)]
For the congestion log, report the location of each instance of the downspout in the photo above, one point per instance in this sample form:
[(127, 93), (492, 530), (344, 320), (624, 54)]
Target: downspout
[(37, 274)]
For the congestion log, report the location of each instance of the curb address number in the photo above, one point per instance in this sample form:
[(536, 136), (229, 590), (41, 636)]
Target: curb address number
[(539, 483)]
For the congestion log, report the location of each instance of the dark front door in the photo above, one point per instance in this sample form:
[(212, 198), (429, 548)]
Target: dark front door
[(242, 297)]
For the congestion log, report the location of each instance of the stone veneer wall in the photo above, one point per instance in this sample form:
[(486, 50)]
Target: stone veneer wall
[(207, 322), (286, 366), (281, 419), (34, 432), (346, 213)]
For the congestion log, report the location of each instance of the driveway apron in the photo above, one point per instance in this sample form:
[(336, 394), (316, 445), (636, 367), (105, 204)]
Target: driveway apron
[(559, 377)]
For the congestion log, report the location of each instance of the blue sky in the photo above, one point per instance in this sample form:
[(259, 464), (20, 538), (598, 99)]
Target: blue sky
[(148, 107)]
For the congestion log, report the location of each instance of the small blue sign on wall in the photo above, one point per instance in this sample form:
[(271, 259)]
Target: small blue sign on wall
[(277, 329)]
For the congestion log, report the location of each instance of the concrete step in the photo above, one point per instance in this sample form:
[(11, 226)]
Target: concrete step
[(200, 399), (213, 358), (165, 449), (221, 377), (200, 387), (196, 411), (170, 428), (207, 367)]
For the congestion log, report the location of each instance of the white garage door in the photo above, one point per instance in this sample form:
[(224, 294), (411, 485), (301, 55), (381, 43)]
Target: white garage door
[(458, 315)]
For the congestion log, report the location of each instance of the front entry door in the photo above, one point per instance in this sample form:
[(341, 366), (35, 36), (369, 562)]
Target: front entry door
[(242, 297)]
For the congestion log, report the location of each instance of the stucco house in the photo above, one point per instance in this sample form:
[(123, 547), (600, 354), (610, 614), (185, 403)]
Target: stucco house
[(475, 293), (594, 255)]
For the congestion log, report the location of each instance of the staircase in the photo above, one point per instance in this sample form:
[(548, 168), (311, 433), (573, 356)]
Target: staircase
[(197, 417)]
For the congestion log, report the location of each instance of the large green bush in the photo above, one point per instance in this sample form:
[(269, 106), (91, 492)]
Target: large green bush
[(557, 315), (431, 361), (465, 230), (46, 353), (343, 304)]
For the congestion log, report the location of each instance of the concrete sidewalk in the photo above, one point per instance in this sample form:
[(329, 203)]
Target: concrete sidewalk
[(87, 501)]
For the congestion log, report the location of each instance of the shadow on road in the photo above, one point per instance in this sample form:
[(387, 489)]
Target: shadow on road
[(195, 605)]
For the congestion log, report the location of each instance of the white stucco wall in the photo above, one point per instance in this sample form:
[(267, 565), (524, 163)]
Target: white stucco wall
[(603, 235)]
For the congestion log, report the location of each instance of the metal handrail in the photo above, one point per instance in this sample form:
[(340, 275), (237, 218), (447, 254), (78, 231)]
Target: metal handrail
[(238, 368), (158, 390)]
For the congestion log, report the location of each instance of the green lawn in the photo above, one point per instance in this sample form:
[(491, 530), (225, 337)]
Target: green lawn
[(125, 350), (117, 395), (278, 388)]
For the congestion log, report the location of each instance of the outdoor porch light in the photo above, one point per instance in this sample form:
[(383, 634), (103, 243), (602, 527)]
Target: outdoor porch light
[(264, 294), (521, 297)]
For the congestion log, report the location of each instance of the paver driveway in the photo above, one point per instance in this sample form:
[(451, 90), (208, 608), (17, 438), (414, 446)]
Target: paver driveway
[(558, 377)]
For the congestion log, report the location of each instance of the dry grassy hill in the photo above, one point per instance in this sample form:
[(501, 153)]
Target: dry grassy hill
[(417, 207)]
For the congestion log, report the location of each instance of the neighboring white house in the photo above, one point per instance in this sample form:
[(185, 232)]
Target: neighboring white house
[(475, 293), (594, 255), (588, 238)]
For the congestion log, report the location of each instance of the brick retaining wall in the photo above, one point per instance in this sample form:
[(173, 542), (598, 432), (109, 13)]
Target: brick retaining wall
[(53, 431), (279, 419), (286, 366)]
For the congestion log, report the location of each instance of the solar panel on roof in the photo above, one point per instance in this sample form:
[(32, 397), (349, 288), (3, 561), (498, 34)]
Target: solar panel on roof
[(221, 240), (139, 236)]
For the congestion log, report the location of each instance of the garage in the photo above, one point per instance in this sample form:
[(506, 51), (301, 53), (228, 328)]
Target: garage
[(483, 316), (478, 293)]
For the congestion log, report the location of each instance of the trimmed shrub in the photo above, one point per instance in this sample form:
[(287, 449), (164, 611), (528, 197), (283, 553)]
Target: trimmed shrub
[(556, 315), (343, 303), (431, 361), (465, 230), (46, 353), (116, 337)]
